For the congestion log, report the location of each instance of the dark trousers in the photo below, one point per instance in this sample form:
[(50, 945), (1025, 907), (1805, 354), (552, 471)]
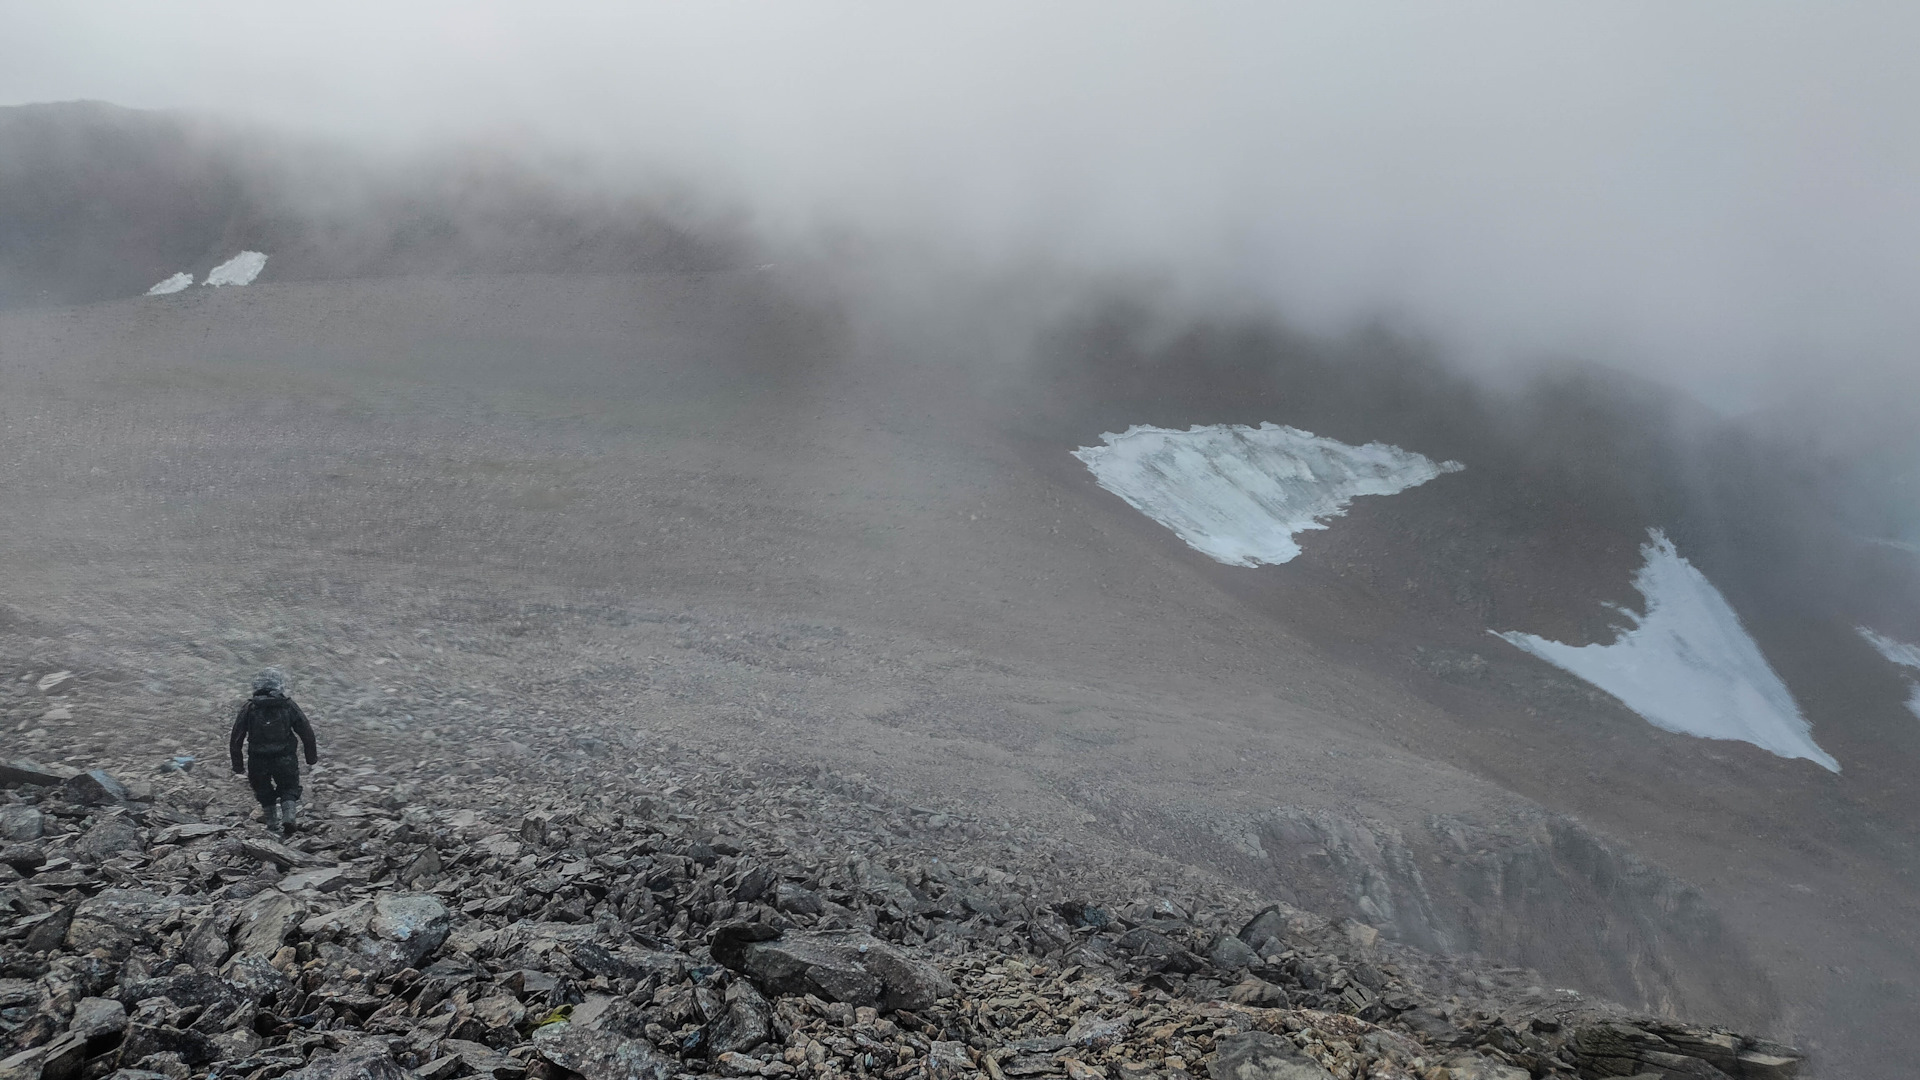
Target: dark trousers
[(274, 777)]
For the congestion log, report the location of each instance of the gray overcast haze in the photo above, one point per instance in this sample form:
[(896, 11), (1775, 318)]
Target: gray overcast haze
[(1720, 194)]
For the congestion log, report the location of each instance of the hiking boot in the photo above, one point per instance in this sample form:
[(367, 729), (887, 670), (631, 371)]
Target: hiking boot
[(289, 808)]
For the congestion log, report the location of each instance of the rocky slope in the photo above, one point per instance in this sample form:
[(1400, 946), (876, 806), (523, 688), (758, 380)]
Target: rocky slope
[(577, 907)]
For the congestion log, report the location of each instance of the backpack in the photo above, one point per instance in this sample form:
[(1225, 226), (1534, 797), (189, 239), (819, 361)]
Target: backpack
[(270, 725)]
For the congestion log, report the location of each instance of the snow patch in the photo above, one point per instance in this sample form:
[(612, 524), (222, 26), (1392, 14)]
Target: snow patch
[(1238, 494), (1688, 665), (239, 270), (171, 285), (1901, 653)]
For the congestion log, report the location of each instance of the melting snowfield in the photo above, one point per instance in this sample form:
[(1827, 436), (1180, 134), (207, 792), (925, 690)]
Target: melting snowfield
[(1239, 494), (1687, 665), (239, 270), (171, 285), (1901, 653)]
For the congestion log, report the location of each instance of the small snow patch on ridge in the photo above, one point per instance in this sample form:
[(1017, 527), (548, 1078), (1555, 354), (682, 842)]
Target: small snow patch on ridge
[(239, 270), (171, 285), (1238, 494), (1901, 653), (1688, 665)]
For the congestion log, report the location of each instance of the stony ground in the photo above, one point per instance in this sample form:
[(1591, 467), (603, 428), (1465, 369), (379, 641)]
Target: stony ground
[(564, 905)]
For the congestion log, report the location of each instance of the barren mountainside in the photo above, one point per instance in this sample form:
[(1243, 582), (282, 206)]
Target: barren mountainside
[(605, 545)]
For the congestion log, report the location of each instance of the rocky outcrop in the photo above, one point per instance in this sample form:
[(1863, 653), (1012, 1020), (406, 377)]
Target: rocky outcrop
[(629, 940), (1455, 886)]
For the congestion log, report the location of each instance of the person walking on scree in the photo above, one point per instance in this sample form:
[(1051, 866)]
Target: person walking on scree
[(274, 731)]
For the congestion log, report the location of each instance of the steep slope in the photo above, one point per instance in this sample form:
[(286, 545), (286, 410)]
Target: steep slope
[(680, 505)]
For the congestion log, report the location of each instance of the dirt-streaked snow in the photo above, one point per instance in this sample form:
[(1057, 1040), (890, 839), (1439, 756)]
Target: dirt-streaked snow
[(174, 284), (1901, 653), (1238, 494), (239, 270), (1688, 665)]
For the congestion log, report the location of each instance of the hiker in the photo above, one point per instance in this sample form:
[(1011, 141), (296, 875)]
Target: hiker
[(269, 723)]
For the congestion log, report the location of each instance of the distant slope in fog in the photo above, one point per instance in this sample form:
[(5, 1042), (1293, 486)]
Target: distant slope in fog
[(1901, 653), (1687, 665), (99, 202), (1238, 494)]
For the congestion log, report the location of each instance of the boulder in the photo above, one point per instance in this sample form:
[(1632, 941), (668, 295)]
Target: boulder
[(838, 965), (20, 823), (1257, 1055), (745, 1021), (116, 919), (109, 837), (95, 787), (797, 900), (1231, 954), (405, 928), (265, 922), (99, 1021), (26, 858)]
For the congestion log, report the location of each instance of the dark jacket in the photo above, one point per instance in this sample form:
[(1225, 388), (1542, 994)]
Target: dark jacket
[(272, 722)]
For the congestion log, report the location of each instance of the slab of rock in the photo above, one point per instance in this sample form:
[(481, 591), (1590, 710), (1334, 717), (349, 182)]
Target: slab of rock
[(279, 855), (369, 1060), (1257, 1055), (265, 922), (404, 929), (109, 837), (838, 965), (322, 879), (601, 1055), (20, 771), (116, 919), (181, 833)]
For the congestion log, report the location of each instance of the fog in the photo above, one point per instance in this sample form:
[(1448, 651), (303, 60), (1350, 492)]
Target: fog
[(1720, 195)]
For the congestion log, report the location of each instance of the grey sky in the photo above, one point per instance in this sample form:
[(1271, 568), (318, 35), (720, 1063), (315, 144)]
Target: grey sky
[(1724, 193)]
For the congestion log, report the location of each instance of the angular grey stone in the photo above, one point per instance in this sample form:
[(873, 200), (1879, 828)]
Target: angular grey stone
[(746, 1021), (404, 930), (1271, 922), (368, 1060), (20, 771), (948, 1061), (265, 922), (839, 965), (95, 787), (1257, 1055), (601, 1055), (95, 1019), (797, 900), (1232, 954), (107, 838), (20, 823), (118, 918), (25, 858)]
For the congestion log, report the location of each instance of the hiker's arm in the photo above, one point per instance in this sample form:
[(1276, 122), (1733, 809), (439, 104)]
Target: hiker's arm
[(238, 737), (306, 734)]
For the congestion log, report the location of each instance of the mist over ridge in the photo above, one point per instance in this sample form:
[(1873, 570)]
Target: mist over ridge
[(1717, 197)]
